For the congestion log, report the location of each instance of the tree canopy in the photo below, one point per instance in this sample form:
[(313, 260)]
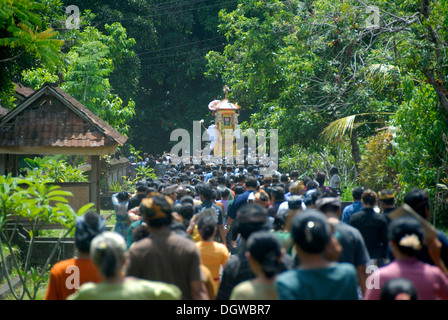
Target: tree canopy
[(330, 75)]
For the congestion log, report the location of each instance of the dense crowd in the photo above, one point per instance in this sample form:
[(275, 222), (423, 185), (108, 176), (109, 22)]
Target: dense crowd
[(226, 232)]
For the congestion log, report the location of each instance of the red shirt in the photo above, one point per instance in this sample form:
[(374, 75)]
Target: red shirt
[(66, 276)]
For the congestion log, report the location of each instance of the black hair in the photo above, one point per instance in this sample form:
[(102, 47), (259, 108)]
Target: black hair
[(320, 181), (333, 171), (123, 196), (187, 200), (251, 217), (186, 211), (306, 179), (142, 186), (357, 193), (392, 288), (252, 182), (225, 193), (418, 200), (177, 226), (177, 207), (388, 202), (266, 248), (404, 227), (239, 190), (206, 226), (310, 231), (208, 193), (315, 196), (139, 233), (278, 192), (87, 228), (311, 185), (221, 180), (369, 197), (280, 220)]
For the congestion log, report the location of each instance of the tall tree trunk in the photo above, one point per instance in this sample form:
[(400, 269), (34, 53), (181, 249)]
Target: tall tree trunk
[(355, 151)]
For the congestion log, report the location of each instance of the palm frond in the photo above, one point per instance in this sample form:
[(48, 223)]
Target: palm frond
[(338, 128)]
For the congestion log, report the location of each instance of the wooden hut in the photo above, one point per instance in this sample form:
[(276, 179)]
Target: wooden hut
[(49, 121)]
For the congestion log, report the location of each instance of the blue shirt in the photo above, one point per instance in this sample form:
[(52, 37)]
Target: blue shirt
[(238, 203), (208, 176), (350, 210)]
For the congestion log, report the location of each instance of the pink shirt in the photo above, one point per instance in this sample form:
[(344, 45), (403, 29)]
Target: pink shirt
[(429, 281)]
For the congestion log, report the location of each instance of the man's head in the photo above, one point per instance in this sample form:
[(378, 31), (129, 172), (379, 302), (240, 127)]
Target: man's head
[(418, 200), (295, 202), (221, 180), (171, 191), (278, 194), (251, 183), (207, 227), (297, 188), (334, 171), (284, 178), (387, 198), (357, 193), (294, 174), (123, 196), (156, 211), (329, 205), (320, 178), (312, 184), (207, 193), (141, 187), (251, 217), (239, 190), (88, 227), (262, 198)]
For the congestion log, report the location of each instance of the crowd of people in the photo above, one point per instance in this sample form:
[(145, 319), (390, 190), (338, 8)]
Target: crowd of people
[(228, 233)]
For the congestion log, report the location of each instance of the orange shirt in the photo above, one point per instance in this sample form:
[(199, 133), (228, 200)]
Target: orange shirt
[(66, 276), (213, 255)]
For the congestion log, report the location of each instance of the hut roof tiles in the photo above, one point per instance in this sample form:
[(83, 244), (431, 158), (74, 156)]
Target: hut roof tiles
[(51, 118)]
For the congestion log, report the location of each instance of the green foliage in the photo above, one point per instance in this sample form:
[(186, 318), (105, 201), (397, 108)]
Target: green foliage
[(308, 162), (37, 77), (141, 173), (419, 149), (53, 169), (26, 32), (172, 39), (39, 203), (88, 66), (375, 171), (298, 66), (27, 39)]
